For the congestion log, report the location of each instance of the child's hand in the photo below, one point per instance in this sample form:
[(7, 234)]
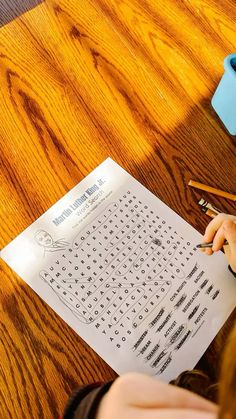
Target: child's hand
[(137, 396), (221, 228)]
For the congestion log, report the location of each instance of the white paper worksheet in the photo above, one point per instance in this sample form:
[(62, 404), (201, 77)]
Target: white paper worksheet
[(121, 268)]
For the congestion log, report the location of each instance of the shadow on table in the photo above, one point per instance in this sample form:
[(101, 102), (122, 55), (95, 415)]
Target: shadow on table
[(197, 148), (201, 149), (11, 9)]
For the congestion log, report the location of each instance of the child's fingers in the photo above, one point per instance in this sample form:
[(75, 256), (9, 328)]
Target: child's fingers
[(138, 390), (230, 249), (171, 414), (219, 239), (227, 231), (215, 224), (229, 228), (207, 251), (212, 227), (221, 228)]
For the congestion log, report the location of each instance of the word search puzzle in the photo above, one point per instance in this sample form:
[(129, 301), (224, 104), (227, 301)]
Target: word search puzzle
[(122, 269)]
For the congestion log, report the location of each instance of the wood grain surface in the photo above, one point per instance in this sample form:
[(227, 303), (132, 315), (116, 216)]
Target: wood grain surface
[(81, 81)]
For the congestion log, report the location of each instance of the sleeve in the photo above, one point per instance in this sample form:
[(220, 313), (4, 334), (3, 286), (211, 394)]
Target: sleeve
[(83, 404)]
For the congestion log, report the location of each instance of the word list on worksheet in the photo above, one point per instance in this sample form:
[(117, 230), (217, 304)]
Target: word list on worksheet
[(122, 269)]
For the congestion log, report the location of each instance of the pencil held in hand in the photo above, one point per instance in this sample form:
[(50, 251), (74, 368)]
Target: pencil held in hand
[(208, 245)]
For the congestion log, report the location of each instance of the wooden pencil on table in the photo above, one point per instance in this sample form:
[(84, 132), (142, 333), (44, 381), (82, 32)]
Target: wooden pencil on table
[(214, 191)]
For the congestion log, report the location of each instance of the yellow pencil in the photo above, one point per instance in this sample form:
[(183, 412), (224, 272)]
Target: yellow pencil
[(212, 190)]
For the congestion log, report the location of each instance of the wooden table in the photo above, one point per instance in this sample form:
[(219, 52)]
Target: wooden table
[(81, 81)]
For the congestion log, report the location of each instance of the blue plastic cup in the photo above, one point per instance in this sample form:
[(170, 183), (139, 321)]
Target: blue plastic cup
[(224, 99)]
